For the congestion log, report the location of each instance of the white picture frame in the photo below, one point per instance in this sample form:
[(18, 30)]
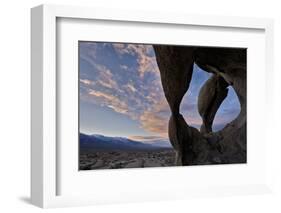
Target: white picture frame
[(44, 149)]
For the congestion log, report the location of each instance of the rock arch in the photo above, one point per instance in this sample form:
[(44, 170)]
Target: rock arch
[(228, 65)]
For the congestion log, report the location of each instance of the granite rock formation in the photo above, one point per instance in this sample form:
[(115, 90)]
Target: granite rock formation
[(211, 95), (228, 66)]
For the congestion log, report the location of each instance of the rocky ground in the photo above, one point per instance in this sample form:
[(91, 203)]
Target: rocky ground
[(126, 159)]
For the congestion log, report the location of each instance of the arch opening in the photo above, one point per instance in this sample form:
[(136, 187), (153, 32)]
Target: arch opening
[(227, 111)]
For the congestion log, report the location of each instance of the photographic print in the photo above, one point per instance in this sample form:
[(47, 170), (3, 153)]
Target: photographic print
[(153, 105)]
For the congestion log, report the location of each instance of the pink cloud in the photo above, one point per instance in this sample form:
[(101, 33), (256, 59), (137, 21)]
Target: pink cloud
[(146, 62), (110, 101)]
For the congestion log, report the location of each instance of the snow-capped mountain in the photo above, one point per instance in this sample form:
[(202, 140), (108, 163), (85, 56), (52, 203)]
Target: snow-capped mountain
[(101, 142)]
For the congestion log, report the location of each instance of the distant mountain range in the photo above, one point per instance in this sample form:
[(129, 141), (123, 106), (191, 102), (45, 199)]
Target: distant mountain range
[(101, 142)]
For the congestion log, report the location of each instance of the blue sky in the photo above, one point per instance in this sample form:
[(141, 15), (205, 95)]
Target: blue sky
[(121, 93)]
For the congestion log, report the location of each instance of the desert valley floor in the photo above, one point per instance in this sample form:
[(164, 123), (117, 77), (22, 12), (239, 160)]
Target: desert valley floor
[(126, 159)]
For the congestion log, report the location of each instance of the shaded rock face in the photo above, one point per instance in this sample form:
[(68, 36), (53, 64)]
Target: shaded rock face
[(211, 95), (228, 66), (176, 66)]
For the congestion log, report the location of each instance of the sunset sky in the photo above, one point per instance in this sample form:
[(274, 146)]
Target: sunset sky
[(121, 93)]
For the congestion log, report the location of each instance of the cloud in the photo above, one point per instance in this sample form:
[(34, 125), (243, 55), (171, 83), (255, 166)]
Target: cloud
[(146, 138), (124, 67), (190, 112), (155, 119), (193, 121), (90, 48), (120, 47), (105, 76), (144, 54), (161, 106), (154, 123), (188, 105), (141, 99), (86, 81), (110, 101), (231, 111), (131, 87)]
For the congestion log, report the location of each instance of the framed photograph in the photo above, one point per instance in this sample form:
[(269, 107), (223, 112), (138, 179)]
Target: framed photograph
[(129, 106)]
